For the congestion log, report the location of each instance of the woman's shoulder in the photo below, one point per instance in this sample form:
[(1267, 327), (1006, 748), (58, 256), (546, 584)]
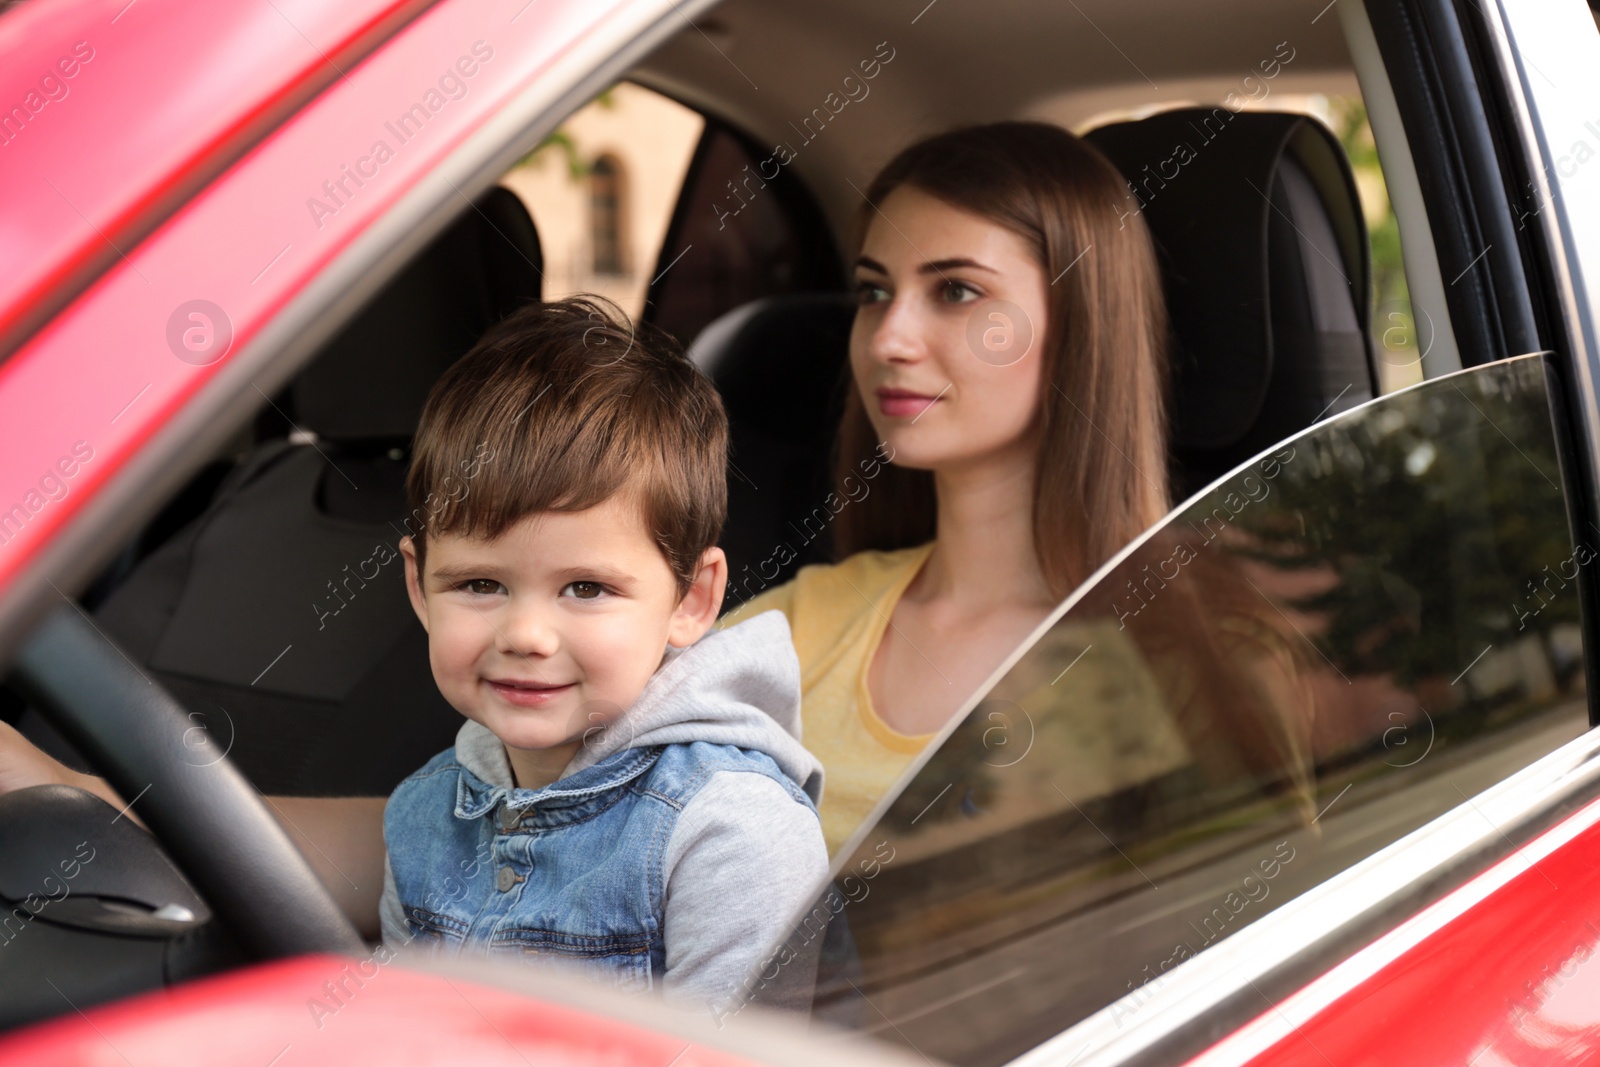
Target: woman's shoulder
[(877, 568), (851, 586)]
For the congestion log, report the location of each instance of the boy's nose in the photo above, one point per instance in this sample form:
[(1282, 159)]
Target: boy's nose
[(528, 633)]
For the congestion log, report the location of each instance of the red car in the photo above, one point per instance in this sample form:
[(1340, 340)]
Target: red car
[(238, 243)]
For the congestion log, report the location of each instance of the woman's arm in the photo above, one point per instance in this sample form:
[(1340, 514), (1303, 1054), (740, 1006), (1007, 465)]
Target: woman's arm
[(341, 837)]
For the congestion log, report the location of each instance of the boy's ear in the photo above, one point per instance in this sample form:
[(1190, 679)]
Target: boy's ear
[(419, 603), (697, 611)]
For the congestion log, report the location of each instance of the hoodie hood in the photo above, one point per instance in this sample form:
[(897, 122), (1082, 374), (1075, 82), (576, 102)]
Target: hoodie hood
[(737, 686)]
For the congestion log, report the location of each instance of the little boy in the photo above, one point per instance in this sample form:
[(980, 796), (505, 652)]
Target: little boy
[(629, 792)]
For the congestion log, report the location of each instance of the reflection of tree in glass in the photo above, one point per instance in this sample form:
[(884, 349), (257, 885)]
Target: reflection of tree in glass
[(1434, 511)]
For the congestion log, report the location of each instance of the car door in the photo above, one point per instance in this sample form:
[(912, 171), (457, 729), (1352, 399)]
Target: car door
[(1344, 680), (1350, 636)]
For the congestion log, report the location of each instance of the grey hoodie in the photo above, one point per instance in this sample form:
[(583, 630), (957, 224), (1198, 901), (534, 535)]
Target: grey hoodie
[(738, 686)]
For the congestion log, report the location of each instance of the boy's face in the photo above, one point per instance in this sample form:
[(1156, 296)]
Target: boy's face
[(552, 629)]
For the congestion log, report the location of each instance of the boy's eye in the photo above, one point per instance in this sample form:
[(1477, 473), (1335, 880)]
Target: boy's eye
[(481, 586), (586, 590)]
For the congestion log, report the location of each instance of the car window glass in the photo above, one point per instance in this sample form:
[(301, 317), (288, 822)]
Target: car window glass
[(744, 228), (1335, 643), (601, 190)]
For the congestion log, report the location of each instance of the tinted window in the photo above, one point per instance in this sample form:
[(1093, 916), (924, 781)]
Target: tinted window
[(744, 228), (1331, 646)]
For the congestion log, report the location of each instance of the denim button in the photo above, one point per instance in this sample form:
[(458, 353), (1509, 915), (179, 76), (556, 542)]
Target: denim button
[(506, 879), (510, 818)]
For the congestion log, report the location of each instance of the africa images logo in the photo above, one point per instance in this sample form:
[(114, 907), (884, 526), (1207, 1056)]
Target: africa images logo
[(339, 190)]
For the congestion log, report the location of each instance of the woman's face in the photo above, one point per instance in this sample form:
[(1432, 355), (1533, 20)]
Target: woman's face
[(949, 335)]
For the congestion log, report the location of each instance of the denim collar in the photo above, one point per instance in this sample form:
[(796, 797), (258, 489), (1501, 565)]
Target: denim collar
[(486, 779)]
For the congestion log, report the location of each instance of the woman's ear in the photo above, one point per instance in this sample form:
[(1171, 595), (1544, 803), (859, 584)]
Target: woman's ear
[(697, 611), (419, 603)]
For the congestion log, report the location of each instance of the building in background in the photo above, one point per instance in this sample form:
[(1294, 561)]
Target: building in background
[(601, 191)]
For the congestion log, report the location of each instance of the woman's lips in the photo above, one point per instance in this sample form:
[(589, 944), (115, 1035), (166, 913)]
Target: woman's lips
[(901, 403), (525, 697)]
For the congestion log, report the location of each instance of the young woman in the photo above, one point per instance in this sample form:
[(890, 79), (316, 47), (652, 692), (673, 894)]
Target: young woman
[(1009, 362), (1008, 357)]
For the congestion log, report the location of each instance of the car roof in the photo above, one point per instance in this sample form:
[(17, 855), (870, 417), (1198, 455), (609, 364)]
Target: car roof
[(92, 172), (764, 66)]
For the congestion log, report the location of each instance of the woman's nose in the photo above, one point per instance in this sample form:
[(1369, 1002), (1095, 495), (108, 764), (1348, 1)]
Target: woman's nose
[(898, 335)]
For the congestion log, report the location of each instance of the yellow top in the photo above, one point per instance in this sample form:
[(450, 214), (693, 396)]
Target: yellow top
[(838, 614)]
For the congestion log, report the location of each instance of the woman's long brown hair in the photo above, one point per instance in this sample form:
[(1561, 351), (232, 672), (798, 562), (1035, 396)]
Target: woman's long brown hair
[(1237, 682), (1100, 474)]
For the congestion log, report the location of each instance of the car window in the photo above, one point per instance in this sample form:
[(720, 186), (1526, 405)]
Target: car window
[(745, 227), (666, 211), (601, 190), (1340, 640)]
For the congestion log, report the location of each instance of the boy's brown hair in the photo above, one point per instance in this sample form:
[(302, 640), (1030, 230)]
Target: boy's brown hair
[(558, 407)]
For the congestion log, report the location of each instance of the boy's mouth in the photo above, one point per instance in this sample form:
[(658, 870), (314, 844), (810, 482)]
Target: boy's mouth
[(527, 694)]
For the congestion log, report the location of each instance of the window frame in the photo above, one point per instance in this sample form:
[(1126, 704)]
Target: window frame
[(608, 191), (1475, 144)]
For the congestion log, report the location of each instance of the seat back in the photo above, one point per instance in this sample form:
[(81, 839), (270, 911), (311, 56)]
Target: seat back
[(279, 616), (1264, 259), (781, 364)]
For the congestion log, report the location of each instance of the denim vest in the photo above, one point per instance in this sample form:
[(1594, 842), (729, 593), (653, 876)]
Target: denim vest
[(572, 871)]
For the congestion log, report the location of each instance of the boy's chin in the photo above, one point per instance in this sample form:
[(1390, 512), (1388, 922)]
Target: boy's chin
[(515, 730)]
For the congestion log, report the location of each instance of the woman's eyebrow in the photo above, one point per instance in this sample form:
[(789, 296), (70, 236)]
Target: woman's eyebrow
[(938, 266)]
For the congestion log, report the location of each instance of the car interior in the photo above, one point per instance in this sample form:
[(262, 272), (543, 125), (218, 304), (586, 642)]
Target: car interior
[(285, 541), (291, 503)]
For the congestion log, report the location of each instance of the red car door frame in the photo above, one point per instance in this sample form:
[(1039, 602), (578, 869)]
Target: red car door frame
[(142, 375)]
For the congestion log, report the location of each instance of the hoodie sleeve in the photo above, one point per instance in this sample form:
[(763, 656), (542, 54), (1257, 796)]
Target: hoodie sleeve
[(391, 918), (744, 859)]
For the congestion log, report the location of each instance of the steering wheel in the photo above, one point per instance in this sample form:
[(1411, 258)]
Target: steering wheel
[(210, 820)]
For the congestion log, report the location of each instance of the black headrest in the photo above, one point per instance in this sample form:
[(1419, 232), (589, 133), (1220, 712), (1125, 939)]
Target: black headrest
[(781, 365), (1264, 254), (777, 361), (370, 380)]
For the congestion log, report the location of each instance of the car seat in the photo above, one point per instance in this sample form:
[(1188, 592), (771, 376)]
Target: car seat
[(781, 364), (278, 617), (1264, 258)]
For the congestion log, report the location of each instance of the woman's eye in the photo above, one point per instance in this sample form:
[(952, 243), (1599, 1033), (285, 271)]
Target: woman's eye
[(870, 293), (586, 590), (958, 292), (481, 586)]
